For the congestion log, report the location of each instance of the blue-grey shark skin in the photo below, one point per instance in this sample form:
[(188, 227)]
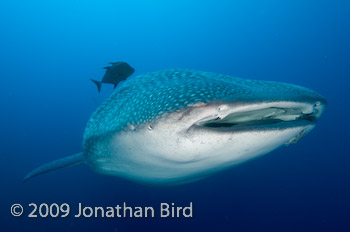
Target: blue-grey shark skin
[(177, 126)]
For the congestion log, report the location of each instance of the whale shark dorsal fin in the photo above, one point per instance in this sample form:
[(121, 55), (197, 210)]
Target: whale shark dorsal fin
[(56, 164)]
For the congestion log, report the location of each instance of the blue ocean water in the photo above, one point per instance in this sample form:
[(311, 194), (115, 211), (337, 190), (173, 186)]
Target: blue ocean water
[(50, 49)]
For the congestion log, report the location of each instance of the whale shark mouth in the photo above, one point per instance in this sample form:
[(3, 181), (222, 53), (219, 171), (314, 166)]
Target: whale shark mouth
[(269, 117)]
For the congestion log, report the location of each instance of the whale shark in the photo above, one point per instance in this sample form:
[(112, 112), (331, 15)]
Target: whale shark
[(177, 126)]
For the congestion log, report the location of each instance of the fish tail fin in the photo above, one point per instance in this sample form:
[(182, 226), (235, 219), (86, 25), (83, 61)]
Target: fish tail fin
[(56, 164), (98, 84)]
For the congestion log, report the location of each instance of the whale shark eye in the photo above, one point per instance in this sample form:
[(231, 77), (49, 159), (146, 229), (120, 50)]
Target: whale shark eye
[(150, 127), (317, 104), (222, 108), (132, 127)]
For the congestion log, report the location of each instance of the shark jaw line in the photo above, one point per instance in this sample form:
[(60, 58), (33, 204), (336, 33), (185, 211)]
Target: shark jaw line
[(261, 116)]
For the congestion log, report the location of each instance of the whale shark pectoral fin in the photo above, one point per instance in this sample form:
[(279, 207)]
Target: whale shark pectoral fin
[(56, 164)]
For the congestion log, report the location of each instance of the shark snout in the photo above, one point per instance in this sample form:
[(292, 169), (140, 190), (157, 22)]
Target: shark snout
[(276, 109), (306, 100), (316, 103), (319, 107)]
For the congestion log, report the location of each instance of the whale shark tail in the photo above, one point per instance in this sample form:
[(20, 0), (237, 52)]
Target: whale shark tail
[(98, 84), (56, 164)]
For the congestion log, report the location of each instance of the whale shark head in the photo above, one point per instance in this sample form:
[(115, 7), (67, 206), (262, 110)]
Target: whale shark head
[(177, 126)]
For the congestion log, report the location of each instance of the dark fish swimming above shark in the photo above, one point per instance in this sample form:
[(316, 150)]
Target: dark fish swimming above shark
[(177, 126), (117, 72)]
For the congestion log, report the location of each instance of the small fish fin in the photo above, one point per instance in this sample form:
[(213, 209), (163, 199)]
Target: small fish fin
[(112, 63), (98, 84), (56, 164), (115, 85)]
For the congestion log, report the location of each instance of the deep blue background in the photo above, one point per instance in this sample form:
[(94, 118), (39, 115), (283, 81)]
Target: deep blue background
[(50, 49)]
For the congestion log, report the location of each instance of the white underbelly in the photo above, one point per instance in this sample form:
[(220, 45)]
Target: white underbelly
[(156, 156)]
